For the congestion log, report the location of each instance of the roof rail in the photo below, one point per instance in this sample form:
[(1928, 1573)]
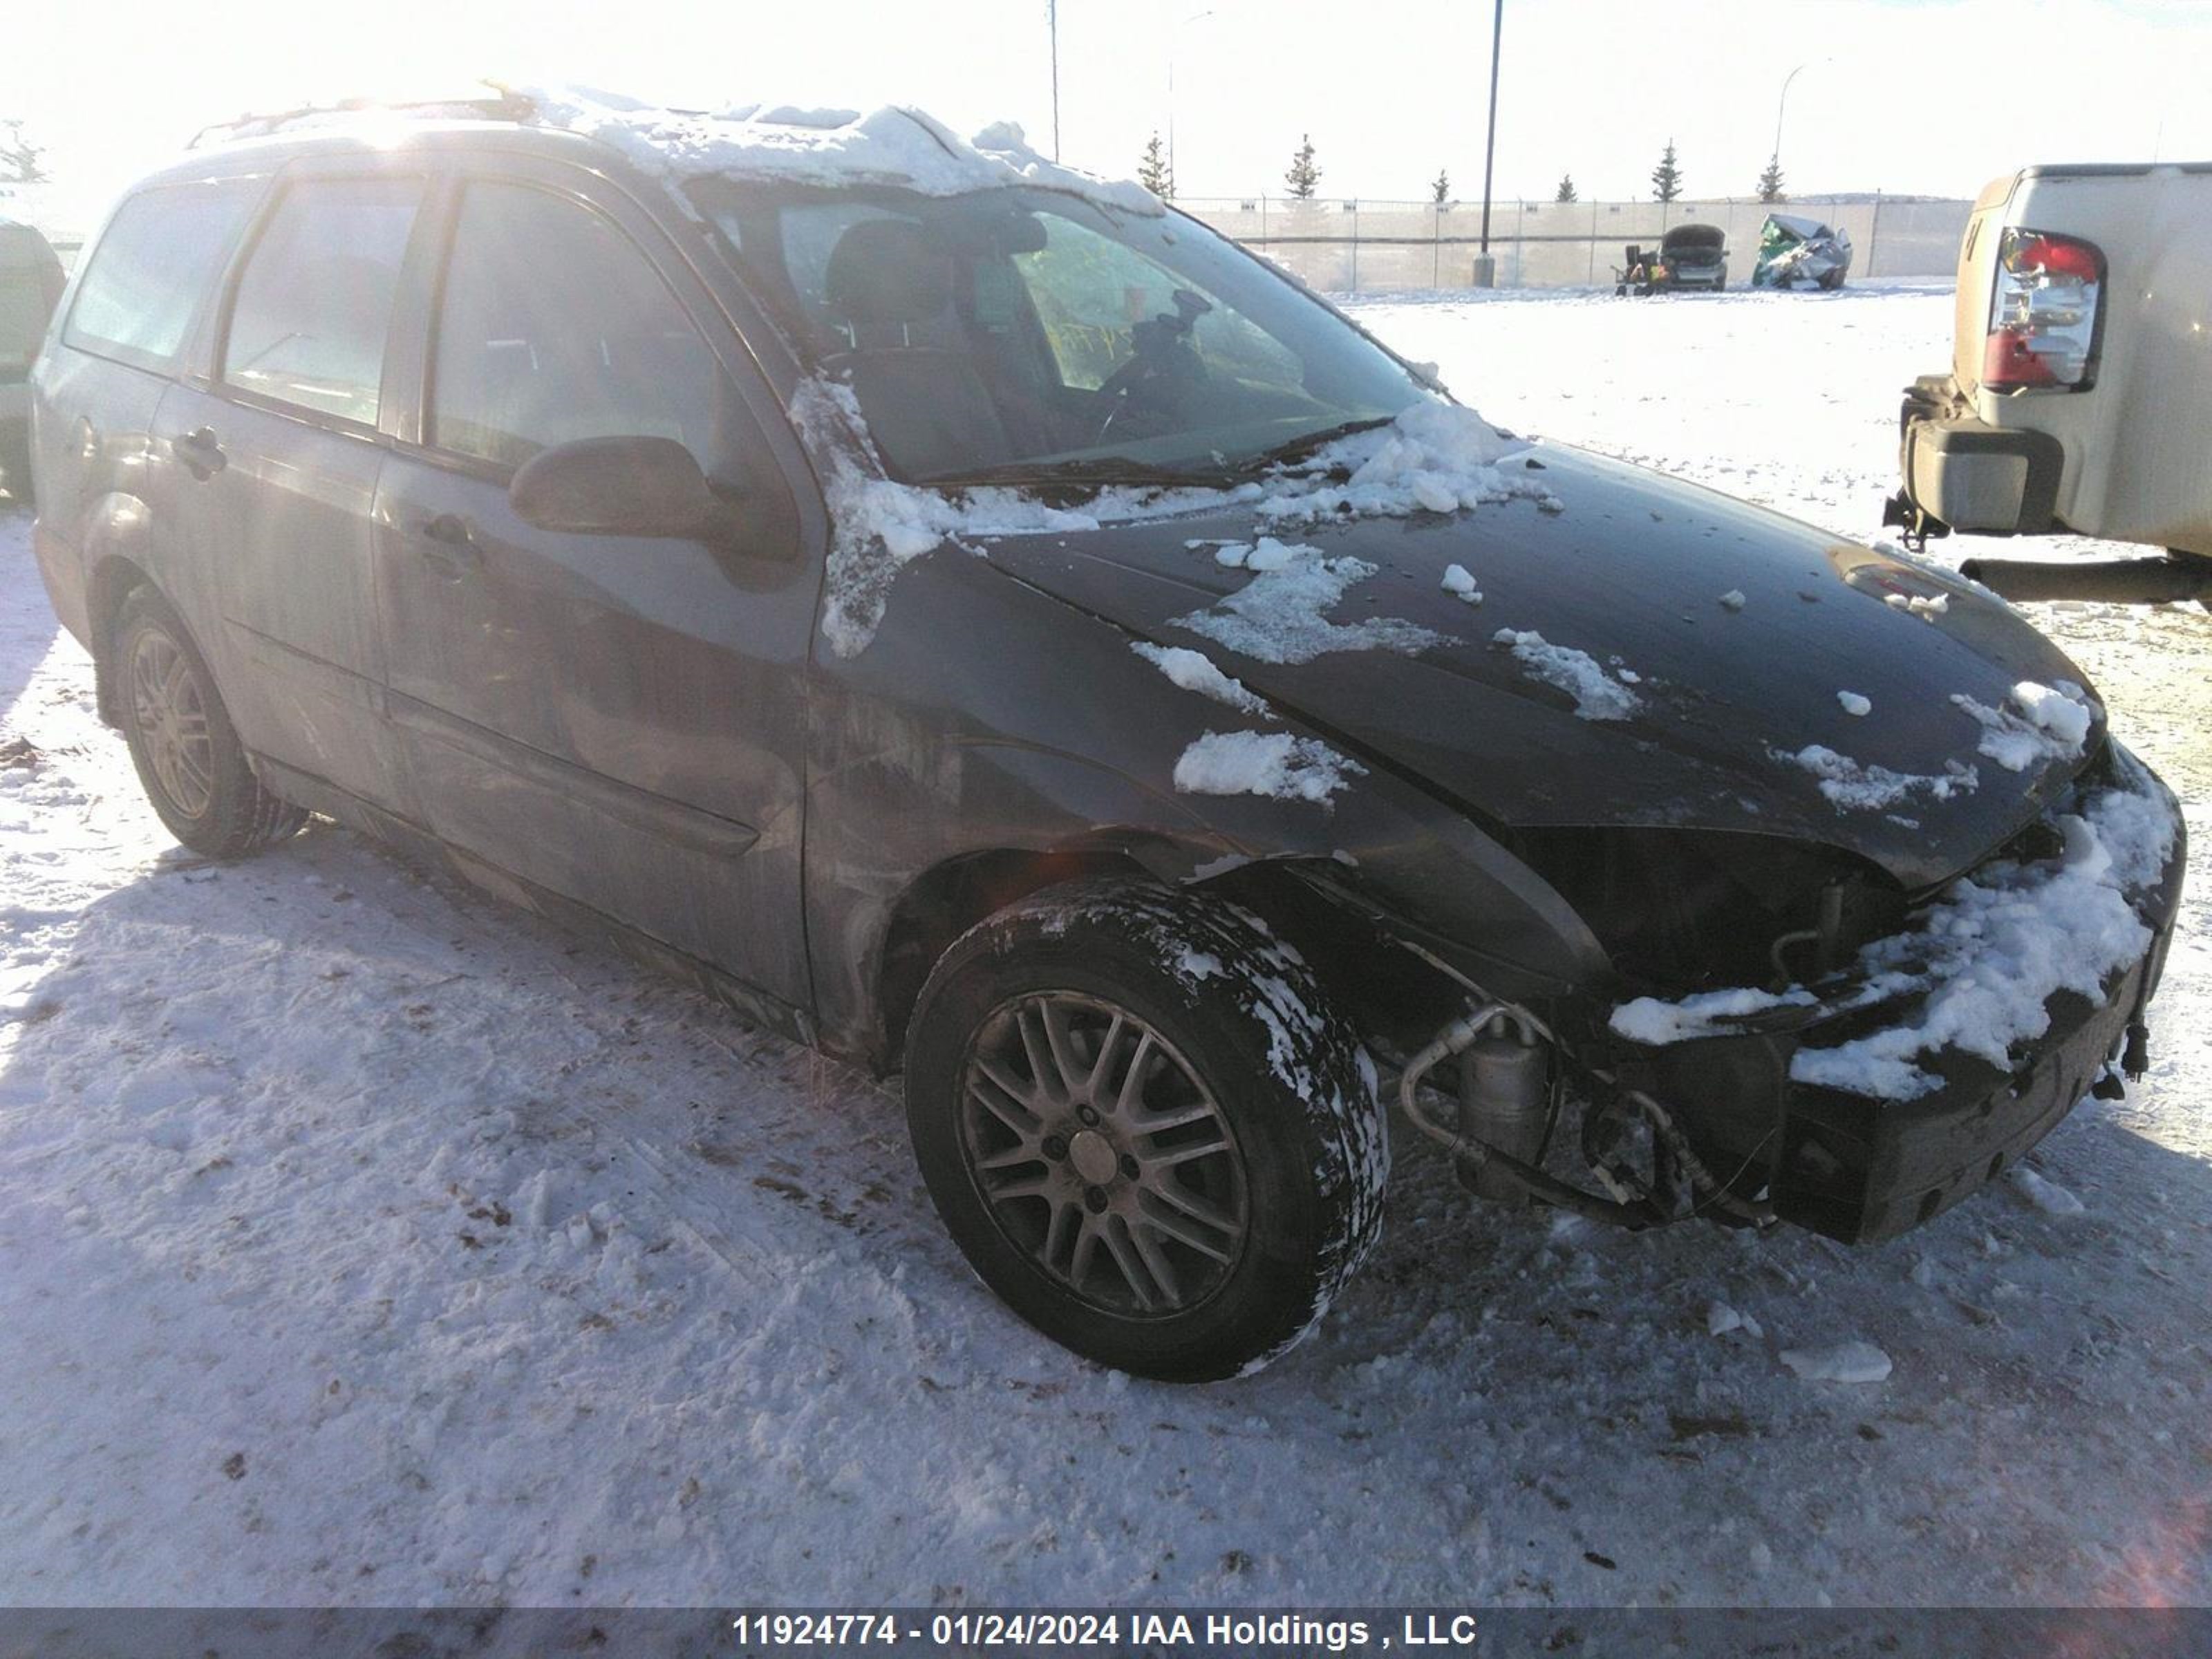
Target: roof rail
[(497, 104)]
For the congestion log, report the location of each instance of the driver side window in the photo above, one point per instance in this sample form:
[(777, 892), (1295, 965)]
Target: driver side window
[(554, 327)]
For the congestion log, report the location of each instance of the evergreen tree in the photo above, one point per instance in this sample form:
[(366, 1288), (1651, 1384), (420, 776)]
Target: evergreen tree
[(20, 161), (1666, 177), (1769, 182), (1304, 175), (1440, 187), (1152, 171), (1566, 188)]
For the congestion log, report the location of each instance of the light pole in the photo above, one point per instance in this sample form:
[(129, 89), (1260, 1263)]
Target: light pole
[(1781, 104), (1490, 148), (1052, 27)]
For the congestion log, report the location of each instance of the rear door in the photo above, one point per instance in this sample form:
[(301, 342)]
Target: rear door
[(619, 721), (275, 454), (139, 305)]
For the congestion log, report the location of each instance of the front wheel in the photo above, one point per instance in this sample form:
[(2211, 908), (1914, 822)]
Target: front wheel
[(190, 761), (1146, 1128)]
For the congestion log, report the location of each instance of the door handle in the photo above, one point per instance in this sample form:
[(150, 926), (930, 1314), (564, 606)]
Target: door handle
[(450, 543), (201, 453)]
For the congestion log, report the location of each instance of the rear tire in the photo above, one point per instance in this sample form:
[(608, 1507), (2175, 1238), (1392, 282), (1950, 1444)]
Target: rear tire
[(1146, 1128), (190, 761)]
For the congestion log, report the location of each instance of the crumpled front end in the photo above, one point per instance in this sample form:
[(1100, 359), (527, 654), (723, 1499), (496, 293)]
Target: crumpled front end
[(1871, 1100)]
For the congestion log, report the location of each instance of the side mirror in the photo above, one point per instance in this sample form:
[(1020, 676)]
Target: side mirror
[(614, 487)]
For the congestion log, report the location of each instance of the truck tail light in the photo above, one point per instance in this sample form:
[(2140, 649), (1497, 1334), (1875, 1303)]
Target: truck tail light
[(2044, 311)]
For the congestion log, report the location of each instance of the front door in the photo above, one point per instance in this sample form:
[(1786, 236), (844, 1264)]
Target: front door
[(619, 721)]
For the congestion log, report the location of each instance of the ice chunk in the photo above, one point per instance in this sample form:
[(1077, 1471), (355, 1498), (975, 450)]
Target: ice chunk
[(1436, 456), (1721, 1319), (1844, 1362), (1278, 616), (2038, 724), (1597, 695), (1459, 579), (1195, 671), (1263, 764), (2047, 1196), (1856, 787), (1732, 600), (1853, 703), (1649, 1020)]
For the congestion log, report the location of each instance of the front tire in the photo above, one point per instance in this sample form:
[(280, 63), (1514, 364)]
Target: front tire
[(190, 761), (1146, 1128)]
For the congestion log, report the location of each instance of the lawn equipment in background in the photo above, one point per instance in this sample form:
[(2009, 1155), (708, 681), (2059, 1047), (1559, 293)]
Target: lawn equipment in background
[(1688, 257), (1795, 252)]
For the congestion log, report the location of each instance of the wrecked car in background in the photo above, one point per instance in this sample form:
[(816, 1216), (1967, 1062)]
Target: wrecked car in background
[(1689, 256), (1796, 251), (979, 621), (2079, 394)]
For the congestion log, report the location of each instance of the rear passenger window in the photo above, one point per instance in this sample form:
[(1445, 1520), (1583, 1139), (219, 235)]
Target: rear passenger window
[(315, 302), (554, 327), (160, 254)]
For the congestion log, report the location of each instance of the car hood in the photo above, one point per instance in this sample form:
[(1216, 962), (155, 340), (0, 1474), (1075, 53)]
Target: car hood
[(1735, 631)]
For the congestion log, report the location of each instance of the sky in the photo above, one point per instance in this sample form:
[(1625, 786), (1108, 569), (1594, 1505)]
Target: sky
[(1927, 96)]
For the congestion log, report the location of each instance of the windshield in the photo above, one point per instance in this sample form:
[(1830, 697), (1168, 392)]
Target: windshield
[(1029, 334)]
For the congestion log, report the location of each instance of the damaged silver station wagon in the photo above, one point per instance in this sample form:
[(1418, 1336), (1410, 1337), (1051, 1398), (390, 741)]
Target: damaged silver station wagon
[(978, 621)]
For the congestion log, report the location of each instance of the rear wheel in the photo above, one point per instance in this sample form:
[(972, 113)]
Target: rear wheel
[(1146, 1128), (189, 758)]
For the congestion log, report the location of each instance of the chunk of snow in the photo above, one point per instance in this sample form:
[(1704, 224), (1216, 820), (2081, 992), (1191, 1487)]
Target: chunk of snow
[(1649, 1020), (1277, 616), (880, 525), (1855, 787), (1853, 703), (1981, 963), (1597, 695), (1927, 609), (1721, 1319), (2047, 1196), (785, 145), (2039, 724), (1195, 671), (2003, 941), (1263, 764), (1732, 600), (1845, 1362), (1435, 457), (1459, 579)]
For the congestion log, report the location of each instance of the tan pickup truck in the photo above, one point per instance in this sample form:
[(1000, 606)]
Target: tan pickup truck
[(2079, 395)]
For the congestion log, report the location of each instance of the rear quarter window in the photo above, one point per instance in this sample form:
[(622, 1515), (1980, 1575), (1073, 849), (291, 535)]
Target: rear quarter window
[(162, 252)]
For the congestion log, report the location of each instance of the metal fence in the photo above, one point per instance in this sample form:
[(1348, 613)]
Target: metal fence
[(1369, 248)]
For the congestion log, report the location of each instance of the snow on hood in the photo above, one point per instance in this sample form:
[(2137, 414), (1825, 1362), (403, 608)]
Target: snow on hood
[(1725, 701), (893, 146), (1437, 457)]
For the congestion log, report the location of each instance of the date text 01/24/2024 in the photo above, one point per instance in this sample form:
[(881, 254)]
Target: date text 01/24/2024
[(1084, 1630)]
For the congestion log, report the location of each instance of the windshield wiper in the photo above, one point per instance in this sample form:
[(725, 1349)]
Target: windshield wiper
[(1306, 443), (1084, 472)]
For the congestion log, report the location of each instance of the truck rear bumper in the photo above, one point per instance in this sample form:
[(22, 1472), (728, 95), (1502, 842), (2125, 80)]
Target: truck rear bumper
[(1963, 474)]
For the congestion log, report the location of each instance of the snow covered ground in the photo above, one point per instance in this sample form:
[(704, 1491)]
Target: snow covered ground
[(363, 1241)]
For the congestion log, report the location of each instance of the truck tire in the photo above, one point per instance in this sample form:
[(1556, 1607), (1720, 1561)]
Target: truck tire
[(190, 761), (1146, 1128)]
